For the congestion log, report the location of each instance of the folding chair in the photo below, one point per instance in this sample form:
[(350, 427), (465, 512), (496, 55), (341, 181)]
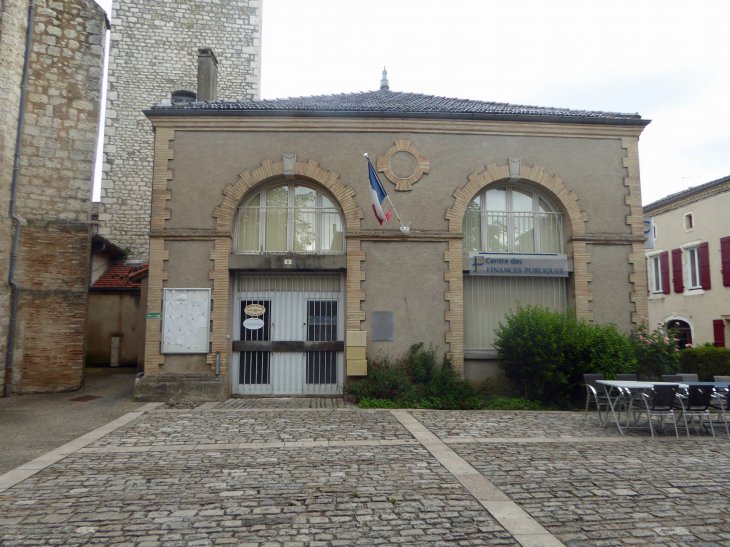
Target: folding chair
[(627, 377), (721, 402), (697, 403), (595, 393), (659, 403)]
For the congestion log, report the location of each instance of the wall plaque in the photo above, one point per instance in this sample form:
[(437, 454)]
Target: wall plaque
[(382, 325)]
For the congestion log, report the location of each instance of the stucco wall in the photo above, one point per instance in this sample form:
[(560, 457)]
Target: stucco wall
[(407, 279), (188, 268), (205, 163), (610, 271), (698, 307), (113, 314)]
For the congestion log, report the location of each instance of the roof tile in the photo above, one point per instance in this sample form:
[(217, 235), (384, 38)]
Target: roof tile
[(117, 277)]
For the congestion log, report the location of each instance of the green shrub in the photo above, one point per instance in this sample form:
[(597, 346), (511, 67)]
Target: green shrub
[(706, 362), (414, 381), (546, 353), (656, 352)]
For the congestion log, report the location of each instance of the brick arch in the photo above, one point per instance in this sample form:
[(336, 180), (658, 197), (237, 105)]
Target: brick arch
[(565, 199), (225, 213), (567, 202)]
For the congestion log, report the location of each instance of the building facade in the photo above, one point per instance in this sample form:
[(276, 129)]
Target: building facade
[(269, 274), (153, 58), (45, 265), (689, 266)]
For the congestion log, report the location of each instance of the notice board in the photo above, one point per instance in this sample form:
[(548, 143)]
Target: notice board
[(186, 321)]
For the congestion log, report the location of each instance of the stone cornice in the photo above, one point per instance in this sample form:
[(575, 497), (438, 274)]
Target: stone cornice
[(397, 235), (609, 239), (365, 125), (189, 234)]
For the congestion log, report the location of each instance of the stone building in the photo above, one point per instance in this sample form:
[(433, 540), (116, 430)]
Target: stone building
[(58, 127), (269, 274), (689, 264), (153, 58)]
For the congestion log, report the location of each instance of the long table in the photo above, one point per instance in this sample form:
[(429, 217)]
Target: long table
[(632, 387)]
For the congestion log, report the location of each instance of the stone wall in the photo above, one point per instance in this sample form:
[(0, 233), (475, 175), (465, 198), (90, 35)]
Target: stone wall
[(154, 46), (13, 23), (54, 193)]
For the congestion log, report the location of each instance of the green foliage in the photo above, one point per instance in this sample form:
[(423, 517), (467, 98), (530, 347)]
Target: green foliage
[(656, 352), (414, 381), (546, 353), (706, 362)]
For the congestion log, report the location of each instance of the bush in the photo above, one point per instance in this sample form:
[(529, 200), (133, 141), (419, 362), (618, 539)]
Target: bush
[(546, 353), (656, 352), (414, 381), (706, 362)]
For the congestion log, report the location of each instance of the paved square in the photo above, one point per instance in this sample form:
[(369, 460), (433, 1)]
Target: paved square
[(335, 476)]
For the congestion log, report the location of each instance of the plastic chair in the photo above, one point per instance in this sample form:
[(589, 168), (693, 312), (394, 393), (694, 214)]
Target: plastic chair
[(721, 378), (595, 393), (697, 403), (660, 403), (671, 378), (627, 377)]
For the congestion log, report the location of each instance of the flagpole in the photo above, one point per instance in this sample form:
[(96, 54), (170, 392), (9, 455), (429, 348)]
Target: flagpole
[(402, 227)]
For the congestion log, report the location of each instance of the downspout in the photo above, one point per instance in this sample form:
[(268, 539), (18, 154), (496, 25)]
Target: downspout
[(13, 200)]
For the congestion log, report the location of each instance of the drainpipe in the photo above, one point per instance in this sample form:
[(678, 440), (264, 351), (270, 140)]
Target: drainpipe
[(13, 200)]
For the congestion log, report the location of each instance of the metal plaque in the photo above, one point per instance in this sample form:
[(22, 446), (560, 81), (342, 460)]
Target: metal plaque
[(518, 265), (254, 309), (382, 325), (253, 323)]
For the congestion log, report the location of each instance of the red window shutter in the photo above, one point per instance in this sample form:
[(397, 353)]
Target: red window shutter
[(718, 327), (705, 265), (664, 262), (677, 270), (725, 253)]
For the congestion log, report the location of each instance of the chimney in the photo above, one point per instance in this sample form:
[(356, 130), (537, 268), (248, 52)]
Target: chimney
[(207, 75)]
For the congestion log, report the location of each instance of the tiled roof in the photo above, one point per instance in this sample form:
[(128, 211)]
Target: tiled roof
[(117, 277), (685, 193), (392, 103)]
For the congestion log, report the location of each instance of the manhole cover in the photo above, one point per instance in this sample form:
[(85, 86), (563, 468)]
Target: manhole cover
[(85, 398)]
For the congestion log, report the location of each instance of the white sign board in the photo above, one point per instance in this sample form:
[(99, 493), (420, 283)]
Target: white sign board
[(649, 232), (186, 321), (518, 265)]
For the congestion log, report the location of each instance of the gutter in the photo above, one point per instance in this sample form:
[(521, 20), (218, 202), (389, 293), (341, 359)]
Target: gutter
[(13, 201), (554, 118)]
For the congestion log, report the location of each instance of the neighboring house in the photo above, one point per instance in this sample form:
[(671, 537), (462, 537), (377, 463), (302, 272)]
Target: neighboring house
[(57, 47), (689, 267), (269, 273), (114, 325)]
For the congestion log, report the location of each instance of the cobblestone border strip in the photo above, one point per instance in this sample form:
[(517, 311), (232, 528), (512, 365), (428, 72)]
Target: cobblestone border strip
[(244, 446), (19, 474), (525, 530)]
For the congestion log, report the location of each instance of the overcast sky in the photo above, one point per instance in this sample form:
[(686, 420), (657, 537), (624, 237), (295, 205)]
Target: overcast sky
[(668, 60)]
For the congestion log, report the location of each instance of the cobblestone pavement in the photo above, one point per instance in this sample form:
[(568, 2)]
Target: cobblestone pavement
[(170, 427), (291, 403), (323, 478)]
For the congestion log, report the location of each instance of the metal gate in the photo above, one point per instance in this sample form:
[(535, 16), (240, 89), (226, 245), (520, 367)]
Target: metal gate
[(289, 335)]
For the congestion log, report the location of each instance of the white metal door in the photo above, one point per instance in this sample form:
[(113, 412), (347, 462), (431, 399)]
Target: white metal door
[(303, 313)]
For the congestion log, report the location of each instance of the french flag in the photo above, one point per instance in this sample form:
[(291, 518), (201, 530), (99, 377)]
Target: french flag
[(378, 194)]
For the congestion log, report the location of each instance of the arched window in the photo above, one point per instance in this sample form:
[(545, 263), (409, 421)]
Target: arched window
[(290, 217), (683, 332), (512, 219)]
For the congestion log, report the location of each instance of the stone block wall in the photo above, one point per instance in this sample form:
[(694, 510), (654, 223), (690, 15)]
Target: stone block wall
[(13, 23), (154, 45), (54, 193)]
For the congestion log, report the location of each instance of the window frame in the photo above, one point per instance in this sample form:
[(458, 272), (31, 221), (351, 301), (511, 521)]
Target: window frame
[(290, 222), (690, 256), (509, 211), (655, 273)]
